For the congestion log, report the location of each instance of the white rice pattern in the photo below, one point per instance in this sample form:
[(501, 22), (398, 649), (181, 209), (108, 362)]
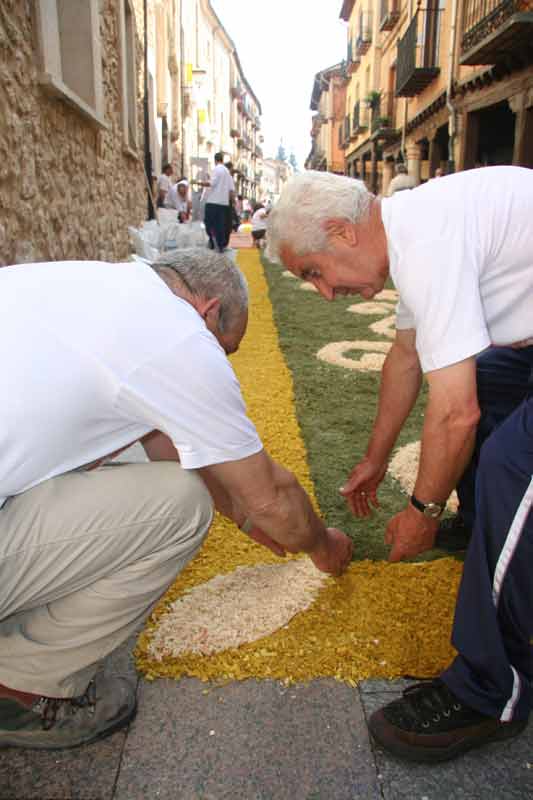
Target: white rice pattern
[(230, 610), (372, 361)]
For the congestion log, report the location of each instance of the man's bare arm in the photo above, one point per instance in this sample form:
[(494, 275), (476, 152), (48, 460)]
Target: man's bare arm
[(450, 423), (401, 379), (275, 503), (448, 436), (159, 447)]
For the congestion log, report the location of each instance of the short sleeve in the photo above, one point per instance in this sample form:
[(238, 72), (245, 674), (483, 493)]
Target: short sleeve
[(192, 394), (404, 318), (438, 282)]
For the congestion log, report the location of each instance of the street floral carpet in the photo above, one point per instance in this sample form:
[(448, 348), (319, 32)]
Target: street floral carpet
[(309, 371)]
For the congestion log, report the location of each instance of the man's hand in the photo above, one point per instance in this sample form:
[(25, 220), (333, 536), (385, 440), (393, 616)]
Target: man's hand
[(361, 487), (410, 533), (334, 553)]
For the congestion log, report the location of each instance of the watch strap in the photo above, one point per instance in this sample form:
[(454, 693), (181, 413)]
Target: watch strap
[(423, 507)]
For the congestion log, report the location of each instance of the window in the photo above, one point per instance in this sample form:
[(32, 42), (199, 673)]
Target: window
[(70, 53), (128, 74)]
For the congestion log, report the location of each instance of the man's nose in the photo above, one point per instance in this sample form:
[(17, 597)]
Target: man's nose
[(325, 290)]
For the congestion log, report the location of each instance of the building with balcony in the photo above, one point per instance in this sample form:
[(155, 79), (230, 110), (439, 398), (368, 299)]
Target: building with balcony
[(493, 91), (220, 112), (362, 153), (328, 100), (438, 85)]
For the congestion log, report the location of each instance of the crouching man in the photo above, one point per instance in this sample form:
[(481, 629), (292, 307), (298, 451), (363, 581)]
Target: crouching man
[(95, 357)]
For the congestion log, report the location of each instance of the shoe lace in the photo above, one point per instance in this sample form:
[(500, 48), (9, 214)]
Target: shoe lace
[(51, 708), (430, 701)]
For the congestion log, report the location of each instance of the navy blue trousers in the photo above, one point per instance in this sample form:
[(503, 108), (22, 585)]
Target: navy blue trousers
[(215, 218), (493, 626), (504, 378)]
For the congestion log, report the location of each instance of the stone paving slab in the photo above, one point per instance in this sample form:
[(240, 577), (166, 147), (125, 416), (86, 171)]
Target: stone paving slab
[(503, 771), (85, 773), (248, 741)]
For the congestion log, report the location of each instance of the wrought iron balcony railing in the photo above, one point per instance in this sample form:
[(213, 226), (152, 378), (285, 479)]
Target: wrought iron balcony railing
[(353, 58), (364, 37), (389, 14), (382, 117), (492, 29), (346, 128), (418, 52), (355, 120)]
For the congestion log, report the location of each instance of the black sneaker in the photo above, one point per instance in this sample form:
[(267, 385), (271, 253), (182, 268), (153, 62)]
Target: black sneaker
[(51, 723), (453, 535), (430, 724)]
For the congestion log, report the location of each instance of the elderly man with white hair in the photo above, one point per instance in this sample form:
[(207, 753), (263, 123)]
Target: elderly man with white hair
[(94, 357), (460, 253)]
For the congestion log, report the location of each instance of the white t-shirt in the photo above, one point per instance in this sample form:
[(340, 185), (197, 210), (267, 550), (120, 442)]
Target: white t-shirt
[(163, 183), (259, 221), (96, 355), (221, 185), (461, 258), (175, 200)]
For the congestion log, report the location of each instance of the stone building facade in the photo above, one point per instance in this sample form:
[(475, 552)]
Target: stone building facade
[(71, 133), (73, 151)]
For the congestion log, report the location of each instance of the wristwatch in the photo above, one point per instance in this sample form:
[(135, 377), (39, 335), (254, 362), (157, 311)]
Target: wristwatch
[(431, 510)]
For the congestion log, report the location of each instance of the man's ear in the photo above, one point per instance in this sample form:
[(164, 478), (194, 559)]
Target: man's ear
[(209, 310), (341, 229)]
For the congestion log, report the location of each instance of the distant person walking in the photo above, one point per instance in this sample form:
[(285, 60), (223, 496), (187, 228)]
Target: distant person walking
[(217, 200), (230, 214), (259, 224)]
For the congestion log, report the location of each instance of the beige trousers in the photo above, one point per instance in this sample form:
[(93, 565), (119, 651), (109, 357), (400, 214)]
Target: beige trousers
[(83, 559)]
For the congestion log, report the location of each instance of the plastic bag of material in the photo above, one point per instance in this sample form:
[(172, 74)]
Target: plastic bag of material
[(145, 242)]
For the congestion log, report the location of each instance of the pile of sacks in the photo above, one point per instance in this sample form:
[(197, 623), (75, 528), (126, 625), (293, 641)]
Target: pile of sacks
[(156, 237)]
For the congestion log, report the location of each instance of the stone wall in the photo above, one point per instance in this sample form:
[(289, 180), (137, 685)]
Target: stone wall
[(68, 190)]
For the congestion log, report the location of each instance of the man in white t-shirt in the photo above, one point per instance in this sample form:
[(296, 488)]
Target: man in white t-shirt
[(259, 224), (460, 253), (94, 357), (220, 190)]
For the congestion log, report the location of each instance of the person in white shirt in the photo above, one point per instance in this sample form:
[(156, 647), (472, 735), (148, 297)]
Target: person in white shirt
[(97, 356), (220, 189), (164, 182), (259, 224), (460, 253), (178, 198)]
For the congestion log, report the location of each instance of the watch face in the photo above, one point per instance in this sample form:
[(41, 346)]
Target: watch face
[(433, 510)]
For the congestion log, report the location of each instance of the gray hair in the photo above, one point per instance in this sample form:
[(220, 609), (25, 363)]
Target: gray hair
[(207, 274), (307, 201)]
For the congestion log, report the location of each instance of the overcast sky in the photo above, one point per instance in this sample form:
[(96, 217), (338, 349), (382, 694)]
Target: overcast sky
[(282, 44)]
